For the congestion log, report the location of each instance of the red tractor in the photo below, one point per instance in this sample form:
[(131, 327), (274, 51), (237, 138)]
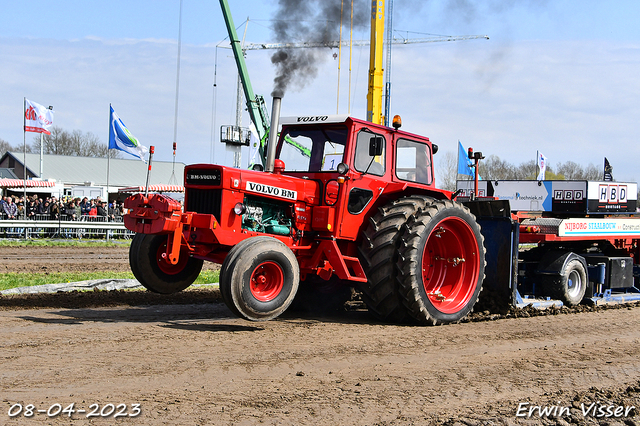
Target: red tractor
[(341, 203)]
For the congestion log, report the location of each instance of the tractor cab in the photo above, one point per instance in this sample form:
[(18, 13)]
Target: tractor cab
[(321, 144), (358, 166)]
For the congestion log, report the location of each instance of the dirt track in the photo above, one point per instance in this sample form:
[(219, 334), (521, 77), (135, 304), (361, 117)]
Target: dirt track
[(66, 259), (194, 364)]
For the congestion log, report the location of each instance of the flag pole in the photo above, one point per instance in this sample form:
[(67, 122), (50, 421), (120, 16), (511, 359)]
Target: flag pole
[(458, 162), (108, 166), (146, 187), (24, 154)]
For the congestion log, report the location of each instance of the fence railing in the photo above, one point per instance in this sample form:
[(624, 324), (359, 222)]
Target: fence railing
[(84, 227)]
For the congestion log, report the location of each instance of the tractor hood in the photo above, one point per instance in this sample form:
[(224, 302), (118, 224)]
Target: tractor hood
[(270, 185)]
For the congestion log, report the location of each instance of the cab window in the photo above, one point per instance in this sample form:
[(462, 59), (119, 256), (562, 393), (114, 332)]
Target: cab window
[(365, 162), (312, 148), (413, 161)]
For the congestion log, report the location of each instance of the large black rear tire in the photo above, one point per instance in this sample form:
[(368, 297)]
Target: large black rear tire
[(154, 272), (379, 254), (441, 263)]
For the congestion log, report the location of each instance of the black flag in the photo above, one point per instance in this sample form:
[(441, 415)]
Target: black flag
[(607, 170)]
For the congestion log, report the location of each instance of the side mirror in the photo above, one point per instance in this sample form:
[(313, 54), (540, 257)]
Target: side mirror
[(434, 148), (376, 144)]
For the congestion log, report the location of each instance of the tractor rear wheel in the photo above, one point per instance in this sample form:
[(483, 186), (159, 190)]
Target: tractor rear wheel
[(259, 280), (379, 255), (154, 272), (441, 263)]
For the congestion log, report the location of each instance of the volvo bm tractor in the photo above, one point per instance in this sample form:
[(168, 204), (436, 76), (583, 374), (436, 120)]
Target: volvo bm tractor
[(340, 203)]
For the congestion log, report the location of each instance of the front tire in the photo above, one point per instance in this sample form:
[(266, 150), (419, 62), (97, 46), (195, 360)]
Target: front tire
[(154, 272), (259, 280), (441, 263)]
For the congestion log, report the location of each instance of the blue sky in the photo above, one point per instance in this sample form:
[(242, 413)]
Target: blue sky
[(556, 76)]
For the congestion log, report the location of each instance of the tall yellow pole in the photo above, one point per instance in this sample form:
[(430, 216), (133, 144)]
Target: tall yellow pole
[(374, 95), (339, 56)]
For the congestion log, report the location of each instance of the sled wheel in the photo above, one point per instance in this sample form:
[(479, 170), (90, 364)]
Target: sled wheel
[(442, 263), (154, 272), (260, 278), (571, 286), (379, 255)]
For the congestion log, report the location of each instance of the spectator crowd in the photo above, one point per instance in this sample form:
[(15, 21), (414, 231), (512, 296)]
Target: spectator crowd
[(67, 208)]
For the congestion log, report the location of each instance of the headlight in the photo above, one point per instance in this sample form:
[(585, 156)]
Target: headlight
[(342, 168), (239, 209)]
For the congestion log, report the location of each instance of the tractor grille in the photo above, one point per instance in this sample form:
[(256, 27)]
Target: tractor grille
[(206, 201)]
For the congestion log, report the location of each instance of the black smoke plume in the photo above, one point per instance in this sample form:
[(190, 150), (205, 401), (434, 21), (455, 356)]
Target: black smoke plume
[(315, 21)]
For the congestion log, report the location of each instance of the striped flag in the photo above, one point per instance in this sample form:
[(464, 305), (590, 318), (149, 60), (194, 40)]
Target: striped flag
[(121, 138)]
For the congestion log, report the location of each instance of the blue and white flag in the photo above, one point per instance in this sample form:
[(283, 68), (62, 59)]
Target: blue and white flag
[(121, 138), (464, 163)]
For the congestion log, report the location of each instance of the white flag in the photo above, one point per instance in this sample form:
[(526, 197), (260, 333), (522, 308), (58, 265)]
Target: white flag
[(37, 118), (542, 165)]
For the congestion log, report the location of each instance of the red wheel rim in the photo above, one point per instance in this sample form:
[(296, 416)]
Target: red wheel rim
[(167, 267), (450, 265), (267, 281)]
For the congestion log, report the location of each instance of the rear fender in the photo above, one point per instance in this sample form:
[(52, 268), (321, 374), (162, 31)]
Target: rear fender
[(554, 262)]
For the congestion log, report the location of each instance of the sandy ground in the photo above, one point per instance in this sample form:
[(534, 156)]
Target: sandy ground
[(187, 361)]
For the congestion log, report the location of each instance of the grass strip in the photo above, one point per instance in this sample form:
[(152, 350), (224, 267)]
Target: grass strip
[(26, 279), (63, 243)]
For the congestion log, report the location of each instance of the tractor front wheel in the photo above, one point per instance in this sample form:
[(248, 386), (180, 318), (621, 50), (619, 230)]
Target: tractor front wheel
[(154, 272), (259, 279), (441, 263)]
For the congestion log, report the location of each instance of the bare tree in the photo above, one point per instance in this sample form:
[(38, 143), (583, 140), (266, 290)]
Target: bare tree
[(6, 146), (527, 170), (447, 169), (574, 171), (591, 172), (570, 170), (75, 143), (493, 168)]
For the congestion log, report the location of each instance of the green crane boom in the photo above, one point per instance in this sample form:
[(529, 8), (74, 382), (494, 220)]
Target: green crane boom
[(255, 103)]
